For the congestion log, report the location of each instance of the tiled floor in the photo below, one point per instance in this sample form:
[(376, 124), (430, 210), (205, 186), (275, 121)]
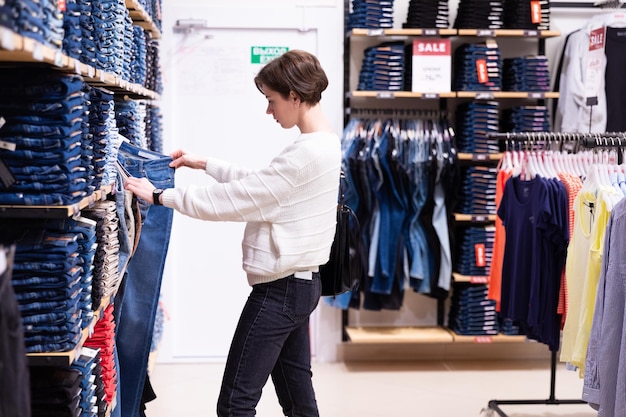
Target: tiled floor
[(429, 389)]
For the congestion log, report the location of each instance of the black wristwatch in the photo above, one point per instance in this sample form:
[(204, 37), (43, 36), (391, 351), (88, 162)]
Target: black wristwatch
[(156, 196)]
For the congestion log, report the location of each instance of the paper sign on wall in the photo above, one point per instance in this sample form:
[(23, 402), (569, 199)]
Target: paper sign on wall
[(431, 66)]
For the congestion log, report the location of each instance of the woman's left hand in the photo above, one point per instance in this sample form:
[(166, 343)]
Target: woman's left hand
[(141, 187)]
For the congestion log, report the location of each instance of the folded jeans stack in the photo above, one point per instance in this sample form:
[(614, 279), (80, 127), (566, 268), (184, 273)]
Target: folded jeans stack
[(56, 392), (91, 380), (475, 251), (106, 276), (383, 68), (371, 14), (526, 119), (518, 14), (48, 280), (528, 73), (479, 14), (471, 313), (130, 117), (104, 134), (478, 192), (41, 20), (428, 14), (477, 67), (47, 146), (475, 121)]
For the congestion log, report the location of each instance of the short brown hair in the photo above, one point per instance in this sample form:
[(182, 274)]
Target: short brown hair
[(296, 70)]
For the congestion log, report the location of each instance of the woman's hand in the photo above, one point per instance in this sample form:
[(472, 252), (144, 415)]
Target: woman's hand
[(184, 159), (141, 187)]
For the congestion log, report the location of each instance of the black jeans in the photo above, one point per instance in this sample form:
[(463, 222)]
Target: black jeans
[(272, 338)]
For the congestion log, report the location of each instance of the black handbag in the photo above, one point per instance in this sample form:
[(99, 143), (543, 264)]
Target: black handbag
[(344, 268)]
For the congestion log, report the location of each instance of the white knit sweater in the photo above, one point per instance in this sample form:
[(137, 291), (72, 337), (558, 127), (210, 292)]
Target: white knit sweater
[(290, 206)]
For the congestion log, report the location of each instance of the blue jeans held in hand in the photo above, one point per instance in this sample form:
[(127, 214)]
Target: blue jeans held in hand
[(137, 300), (272, 338)]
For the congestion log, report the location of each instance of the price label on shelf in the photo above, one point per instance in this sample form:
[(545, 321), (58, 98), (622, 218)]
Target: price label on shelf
[(479, 280), (38, 52), (485, 33), (7, 38), (483, 339), (385, 94)]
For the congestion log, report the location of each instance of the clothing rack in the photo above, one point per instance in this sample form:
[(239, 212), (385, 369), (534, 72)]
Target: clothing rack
[(610, 4), (587, 140), (378, 112)]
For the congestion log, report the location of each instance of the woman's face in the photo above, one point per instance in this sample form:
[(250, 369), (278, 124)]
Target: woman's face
[(284, 110)]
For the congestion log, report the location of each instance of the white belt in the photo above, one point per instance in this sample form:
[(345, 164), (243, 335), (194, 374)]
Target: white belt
[(305, 274)]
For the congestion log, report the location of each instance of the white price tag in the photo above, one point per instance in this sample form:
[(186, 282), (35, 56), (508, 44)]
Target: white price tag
[(7, 38)]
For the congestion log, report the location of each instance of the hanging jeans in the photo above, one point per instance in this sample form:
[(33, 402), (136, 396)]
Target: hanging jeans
[(138, 297)]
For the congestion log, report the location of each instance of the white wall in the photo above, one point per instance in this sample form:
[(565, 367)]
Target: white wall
[(204, 286)]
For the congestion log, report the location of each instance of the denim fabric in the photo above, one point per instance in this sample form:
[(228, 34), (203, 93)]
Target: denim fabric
[(371, 15), (474, 122), (478, 191), (526, 119), (130, 118), (106, 276), (471, 313), (272, 338), (427, 14), (383, 67), (517, 15), (46, 119), (528, 73), (393, 207), (472, 14), (465, 73), (138, 297), (466, 259), (393, 168)]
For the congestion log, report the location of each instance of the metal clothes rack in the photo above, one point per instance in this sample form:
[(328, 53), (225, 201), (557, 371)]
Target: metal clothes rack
[(587, 140), (609, 4)]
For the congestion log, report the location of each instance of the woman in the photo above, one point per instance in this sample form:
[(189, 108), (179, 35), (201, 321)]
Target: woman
[(290, 209)]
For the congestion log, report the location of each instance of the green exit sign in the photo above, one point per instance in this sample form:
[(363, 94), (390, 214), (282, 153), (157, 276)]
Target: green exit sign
[(264, 54)]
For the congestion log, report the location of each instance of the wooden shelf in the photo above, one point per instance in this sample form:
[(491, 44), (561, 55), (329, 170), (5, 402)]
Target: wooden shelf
[(478, 95), (53, 212), (141, 18), (479, 156), (514, 33), (17, 49), (469, 278), (490, 95), (499, 338), (421, 335), (401, 32), (519, 33), (400, 94), (373, 335), (459, 217)]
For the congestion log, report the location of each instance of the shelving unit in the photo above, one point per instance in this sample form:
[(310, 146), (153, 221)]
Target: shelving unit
[(361, 38), (17, 51)]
